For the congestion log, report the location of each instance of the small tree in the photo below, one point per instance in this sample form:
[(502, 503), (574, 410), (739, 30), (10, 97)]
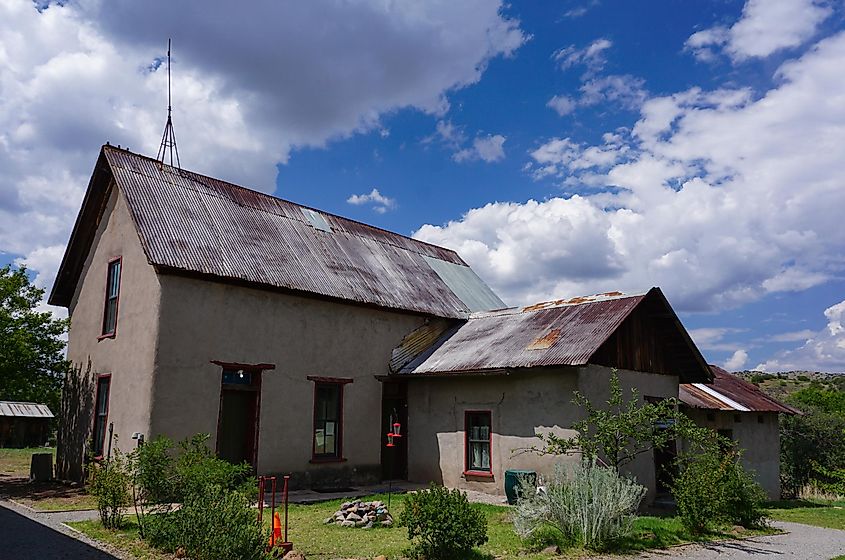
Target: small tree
[(109, 484), (32, 362), (616, 433)]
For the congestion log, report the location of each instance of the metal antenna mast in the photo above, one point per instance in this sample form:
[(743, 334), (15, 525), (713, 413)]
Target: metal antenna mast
[(168, 139)]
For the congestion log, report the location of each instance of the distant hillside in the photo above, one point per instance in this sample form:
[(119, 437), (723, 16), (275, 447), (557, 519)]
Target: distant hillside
[(781, 385)]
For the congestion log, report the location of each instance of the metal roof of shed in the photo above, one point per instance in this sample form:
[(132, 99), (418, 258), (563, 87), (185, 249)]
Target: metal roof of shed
[(24, 409), (729, 392), (566, 332), (197, 224)]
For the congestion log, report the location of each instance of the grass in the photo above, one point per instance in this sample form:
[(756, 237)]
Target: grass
[(830, 514), (125, 539), (329, 542), (15, 462), (43, 496)]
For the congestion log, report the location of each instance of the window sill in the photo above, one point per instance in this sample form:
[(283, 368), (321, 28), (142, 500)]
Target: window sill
[(328, 460), (105, 336), (478, 474)]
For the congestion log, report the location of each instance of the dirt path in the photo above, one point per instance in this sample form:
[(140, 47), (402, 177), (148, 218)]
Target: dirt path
[(801, 542)]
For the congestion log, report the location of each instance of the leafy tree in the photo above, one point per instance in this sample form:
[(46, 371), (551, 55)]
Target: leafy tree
[(812, 443), (618, 431), (32, 362)]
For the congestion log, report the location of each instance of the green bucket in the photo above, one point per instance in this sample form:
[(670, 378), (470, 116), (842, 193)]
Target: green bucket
[(512, 483)]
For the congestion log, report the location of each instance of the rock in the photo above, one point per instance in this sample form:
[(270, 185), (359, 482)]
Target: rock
[(369, 525), (329, 520), (180, 552), (554, 549), (347, 523), (380, 557), (293, 555), (361, 523), (387, 523), (353, 517)]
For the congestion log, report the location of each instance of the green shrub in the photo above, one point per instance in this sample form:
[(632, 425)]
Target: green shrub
[(109, 484), (196, 468), (154, 474), (712, 487), (442, 524), (211, 525), (828, 481), (592, 508)]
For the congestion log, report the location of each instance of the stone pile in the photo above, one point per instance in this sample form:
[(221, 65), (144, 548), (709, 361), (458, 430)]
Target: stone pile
[(365, 515)]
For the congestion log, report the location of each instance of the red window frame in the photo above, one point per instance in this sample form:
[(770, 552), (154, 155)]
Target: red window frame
[(113, 332), (338, 382), (100, 377), (467, 470)]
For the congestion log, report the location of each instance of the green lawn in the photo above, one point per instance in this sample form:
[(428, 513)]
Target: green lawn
[(810, 512), (330, 542), (15, 462), (125, 539)]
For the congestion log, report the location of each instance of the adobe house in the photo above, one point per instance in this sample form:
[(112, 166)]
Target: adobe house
[(295, 337), (740, 411)]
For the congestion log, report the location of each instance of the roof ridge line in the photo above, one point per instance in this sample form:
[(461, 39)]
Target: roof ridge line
[(248, 189)]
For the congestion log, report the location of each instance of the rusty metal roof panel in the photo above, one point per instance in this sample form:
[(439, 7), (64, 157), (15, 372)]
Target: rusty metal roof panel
[(199, 224), (24, 410), (730, 392), (563, 332)]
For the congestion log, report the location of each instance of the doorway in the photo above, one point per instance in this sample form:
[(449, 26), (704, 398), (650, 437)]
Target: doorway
[(237, 423), (394, 408)]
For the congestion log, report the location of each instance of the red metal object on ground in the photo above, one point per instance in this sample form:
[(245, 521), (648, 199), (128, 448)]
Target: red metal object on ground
[(276, 538)]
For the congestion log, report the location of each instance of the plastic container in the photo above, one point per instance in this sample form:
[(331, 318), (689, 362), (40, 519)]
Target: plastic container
[(513, 479)]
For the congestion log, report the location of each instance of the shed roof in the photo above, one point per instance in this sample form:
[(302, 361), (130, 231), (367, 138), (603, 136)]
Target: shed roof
[(567, 332), (730, 392), (196, 224), (24, 409)]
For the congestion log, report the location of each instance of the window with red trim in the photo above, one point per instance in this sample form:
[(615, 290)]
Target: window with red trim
[(479, 436), (328, 420), (112, 296), (101, 414)]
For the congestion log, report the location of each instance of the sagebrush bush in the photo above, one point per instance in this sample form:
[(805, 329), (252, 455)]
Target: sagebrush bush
[(442, 524), (592, 507), (211, 525), (109, 484), (712, 487)]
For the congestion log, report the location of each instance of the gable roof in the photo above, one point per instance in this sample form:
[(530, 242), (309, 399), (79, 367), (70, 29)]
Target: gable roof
[(570, 332), (191, 223), (730, 392), (24, 409)]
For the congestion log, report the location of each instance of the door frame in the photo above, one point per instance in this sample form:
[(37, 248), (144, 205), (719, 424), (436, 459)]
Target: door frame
[(255, 387)]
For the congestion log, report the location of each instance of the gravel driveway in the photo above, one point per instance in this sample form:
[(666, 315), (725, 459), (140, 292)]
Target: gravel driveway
[(801, 542)]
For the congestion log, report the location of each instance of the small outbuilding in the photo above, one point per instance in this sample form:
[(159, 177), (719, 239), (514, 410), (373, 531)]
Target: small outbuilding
[(740, 411), (24, 424)]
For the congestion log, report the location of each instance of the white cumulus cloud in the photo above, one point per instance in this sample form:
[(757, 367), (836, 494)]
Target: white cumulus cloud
[(822, 351), (490, 148), (250, 84), (379, 202), (737, 361), (765, 27), (720, 197)]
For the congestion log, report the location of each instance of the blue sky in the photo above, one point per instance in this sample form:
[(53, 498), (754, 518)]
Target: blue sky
[(562, 148)]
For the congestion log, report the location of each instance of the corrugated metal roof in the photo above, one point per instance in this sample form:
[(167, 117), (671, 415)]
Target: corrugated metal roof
[(419, 340), (730, 392), (198, 224), (466, 284), (562, 332), (24, 409)]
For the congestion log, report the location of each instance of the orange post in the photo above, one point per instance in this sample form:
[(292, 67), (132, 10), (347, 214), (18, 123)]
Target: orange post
[(277, 530)]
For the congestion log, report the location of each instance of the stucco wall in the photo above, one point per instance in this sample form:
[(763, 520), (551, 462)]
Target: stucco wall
[(522, 405), (203, 321), (760, 442), (129, 356)]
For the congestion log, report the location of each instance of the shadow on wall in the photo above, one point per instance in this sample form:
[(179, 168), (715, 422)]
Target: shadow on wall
[(75, 419)]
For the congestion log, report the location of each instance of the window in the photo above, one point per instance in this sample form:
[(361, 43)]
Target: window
[(328, 420), (112, 295), (101, 414), (478, 440)]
